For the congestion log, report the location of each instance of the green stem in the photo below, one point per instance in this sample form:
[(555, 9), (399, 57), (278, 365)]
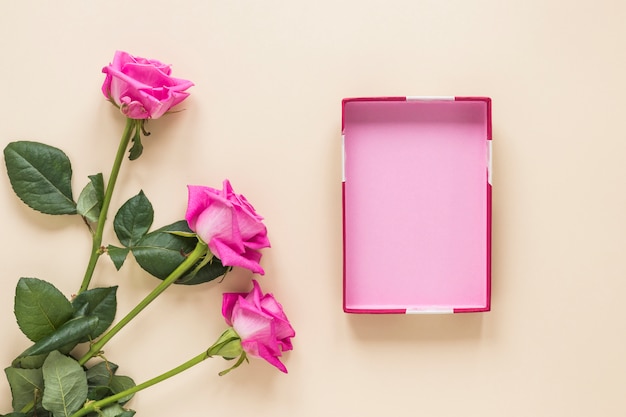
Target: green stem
[(199, 251), (131, 125), (98, 405)]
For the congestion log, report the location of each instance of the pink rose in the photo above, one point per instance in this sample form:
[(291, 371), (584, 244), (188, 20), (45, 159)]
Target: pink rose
[(142, 88), (261, 324), (228, 224)]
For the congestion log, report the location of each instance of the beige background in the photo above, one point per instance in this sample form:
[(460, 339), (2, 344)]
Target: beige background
[(265, 113)]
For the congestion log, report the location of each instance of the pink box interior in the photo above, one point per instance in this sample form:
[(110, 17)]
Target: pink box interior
[(417, 205)]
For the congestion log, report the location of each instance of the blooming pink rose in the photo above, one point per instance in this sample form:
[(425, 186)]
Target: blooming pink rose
[(142, 88), (261, 324), (228, 224)]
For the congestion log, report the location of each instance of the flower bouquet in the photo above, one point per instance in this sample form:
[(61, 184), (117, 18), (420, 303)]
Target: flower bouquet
[(221, 230)]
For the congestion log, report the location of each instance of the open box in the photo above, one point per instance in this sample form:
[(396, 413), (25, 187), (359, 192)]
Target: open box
[(416, 204)]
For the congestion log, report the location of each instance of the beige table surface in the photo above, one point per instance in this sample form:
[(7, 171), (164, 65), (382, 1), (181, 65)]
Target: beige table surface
[(265, 113)]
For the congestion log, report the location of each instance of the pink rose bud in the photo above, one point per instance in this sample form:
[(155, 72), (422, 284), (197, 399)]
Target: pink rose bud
[(261, 324), (228, 224), (142, 88)]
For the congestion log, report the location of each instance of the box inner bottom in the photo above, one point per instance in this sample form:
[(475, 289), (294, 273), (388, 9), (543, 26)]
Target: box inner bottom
[(415, 205)]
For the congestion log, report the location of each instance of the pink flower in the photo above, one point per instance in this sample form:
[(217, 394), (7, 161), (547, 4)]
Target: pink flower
[(261, 324), (228, 224), (142, 88)]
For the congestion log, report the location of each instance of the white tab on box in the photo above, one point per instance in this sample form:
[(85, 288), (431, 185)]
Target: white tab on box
[(430, 98), (429, 311), (343, 158), (489, 162)]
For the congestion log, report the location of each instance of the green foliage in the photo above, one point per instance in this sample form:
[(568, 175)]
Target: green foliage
[(116, 410), (161, 251), (97, 302), (117, 255), (26, 386), (137, 149), (133, 220), (54, 323), (67, 336), (120, 383), (101, 373), (45, 380), (102, 382), (61, 387), (40, 176), (65, 385), (91, 198), (30, 362), (40, 309)]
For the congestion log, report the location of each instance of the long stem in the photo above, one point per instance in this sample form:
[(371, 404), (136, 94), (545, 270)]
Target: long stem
[(131, 125), (97, 405), (199, 251)]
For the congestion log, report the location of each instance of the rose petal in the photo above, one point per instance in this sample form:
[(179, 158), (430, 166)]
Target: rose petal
[(216, 222), (263, 352), (250, 323), (255, 295), (229, 257), (228, 303), (249, 227), (282, 327), (200, 198)]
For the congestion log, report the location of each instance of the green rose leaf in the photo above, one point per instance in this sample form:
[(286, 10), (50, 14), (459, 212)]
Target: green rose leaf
[(40, 176), (117, 255), (67, 336), (98, 302), (137, 149), (161, 251), (212, 270), (26, 385), (133, 220), (99, 377), (91, 198), (98, 392), (30, 362), (101, 373), (116, 410), (119, 384), (66, 385), (40, 308)]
